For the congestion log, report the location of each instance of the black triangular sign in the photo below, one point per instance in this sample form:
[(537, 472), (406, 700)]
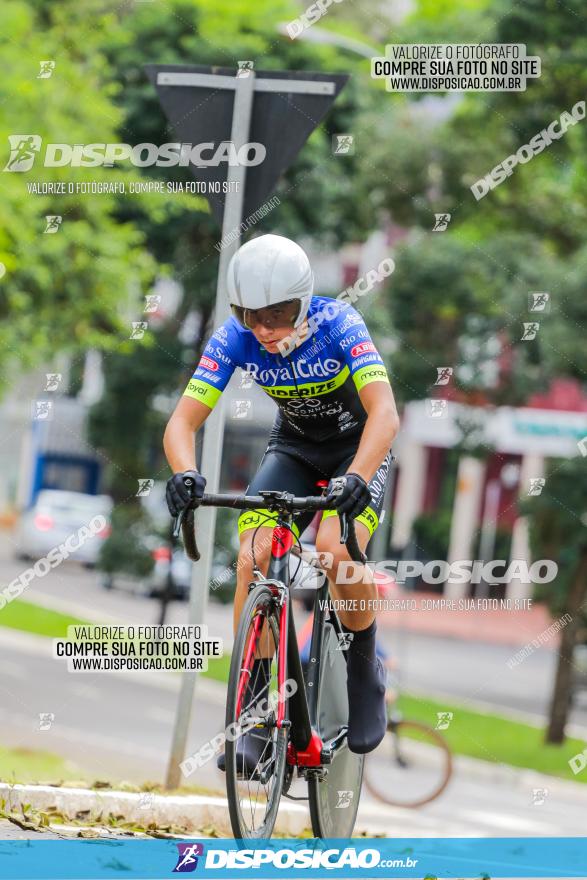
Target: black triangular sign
[(282, 121)]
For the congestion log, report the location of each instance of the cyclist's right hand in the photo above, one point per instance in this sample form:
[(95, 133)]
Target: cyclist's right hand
[(184, 490)]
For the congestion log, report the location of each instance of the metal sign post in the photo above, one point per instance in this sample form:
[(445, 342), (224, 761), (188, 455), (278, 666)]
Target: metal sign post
[(282, 126)]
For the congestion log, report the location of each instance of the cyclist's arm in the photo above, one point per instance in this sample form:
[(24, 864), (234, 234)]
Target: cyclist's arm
[(210, 378), (356, 349), (179, 438), (380, 429)]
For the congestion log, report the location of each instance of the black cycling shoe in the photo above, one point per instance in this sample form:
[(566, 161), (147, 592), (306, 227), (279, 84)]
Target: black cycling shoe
[(366, 692), (252, 752)]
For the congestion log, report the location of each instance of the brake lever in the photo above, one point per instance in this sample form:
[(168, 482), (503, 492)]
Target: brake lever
[(344, 527)]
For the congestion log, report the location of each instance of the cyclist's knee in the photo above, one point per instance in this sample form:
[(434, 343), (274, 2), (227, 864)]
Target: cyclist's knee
[(260, 550), (332, 554)]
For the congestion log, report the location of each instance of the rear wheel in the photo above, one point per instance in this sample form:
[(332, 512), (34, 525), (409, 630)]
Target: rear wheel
[(253, 802), (411, 767), (334, 797)]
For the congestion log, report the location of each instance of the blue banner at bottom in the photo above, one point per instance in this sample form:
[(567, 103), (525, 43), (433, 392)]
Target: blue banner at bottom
[(470, 857)]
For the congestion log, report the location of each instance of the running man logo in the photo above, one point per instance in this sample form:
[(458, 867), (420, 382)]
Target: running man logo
[(138, 329), (23, 151), (444, 719), (443, 375), (53, 223), (53, 381), (145, 486), (530, 331), (536, 486), (538, 301), (343, 145), (441, 222), (187, 859), (344, 799), (46, 71)]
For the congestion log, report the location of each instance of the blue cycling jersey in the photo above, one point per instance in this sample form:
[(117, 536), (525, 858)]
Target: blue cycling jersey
[(315, 387)]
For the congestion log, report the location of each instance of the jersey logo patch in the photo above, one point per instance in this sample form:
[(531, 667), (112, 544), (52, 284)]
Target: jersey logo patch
[(361, 348), (208, 363)]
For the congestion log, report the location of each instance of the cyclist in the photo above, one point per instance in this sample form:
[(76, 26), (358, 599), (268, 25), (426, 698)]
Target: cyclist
[(336, 418)]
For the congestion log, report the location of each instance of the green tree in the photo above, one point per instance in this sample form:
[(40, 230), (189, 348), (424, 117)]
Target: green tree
[(558, 531)]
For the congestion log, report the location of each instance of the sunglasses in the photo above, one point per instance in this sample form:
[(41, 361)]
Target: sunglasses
[(281, 316)]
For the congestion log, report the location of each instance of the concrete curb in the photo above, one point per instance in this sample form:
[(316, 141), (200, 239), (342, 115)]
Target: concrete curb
[(191, 812)]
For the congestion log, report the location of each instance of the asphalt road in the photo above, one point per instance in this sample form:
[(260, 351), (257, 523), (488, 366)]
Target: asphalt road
[(470, 672), (118, 726)]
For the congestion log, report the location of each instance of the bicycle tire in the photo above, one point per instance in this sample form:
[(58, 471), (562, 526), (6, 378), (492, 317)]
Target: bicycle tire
[(405, 727), (330, 819), (259, 601)]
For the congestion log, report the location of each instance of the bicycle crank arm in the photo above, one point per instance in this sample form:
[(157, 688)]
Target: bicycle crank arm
[(329, 750)]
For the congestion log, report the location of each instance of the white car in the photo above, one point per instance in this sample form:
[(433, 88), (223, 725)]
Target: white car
[(55, 516)]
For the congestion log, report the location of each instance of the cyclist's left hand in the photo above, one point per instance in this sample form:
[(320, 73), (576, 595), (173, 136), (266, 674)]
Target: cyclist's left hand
[(350, 493)]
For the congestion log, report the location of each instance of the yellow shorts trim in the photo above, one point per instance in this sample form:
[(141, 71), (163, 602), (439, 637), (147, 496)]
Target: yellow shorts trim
[(252, 519), (368, 517)]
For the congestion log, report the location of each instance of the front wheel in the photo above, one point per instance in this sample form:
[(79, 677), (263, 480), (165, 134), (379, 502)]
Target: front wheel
[(253, 796)]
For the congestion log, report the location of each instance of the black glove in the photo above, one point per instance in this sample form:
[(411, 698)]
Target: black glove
[(350, 493), (179, 496)]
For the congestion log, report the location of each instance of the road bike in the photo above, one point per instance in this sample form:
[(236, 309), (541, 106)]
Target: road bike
[(302, 721)]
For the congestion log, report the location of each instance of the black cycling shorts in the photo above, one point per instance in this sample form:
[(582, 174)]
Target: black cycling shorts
[(297, 467)]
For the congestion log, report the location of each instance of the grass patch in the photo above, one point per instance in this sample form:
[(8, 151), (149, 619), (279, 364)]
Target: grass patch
[(218, 668), (496, 739), (28, 765), (28, 617)]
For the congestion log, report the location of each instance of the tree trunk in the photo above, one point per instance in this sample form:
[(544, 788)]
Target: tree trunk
[(561, 698)]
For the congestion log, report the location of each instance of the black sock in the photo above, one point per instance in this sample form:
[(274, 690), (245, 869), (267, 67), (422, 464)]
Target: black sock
[(366, 691)]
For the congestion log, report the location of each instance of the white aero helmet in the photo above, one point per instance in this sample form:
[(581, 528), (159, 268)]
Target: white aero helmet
[(268, 270)]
